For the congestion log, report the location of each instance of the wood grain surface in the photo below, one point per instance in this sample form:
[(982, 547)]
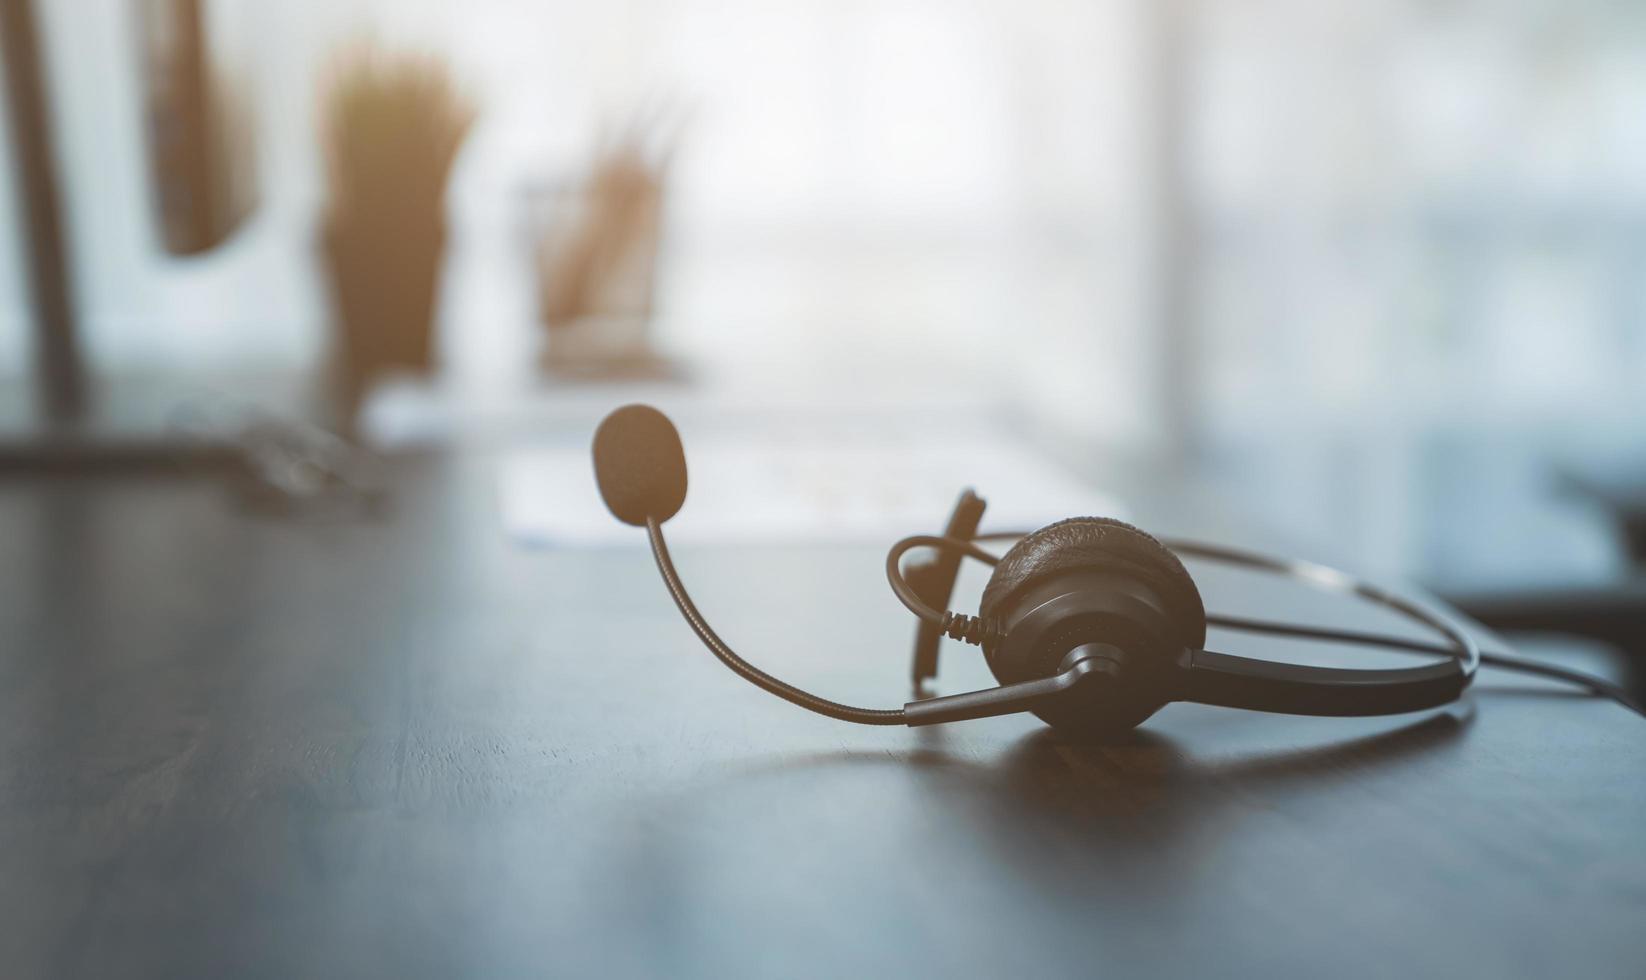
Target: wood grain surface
[(232, 745)]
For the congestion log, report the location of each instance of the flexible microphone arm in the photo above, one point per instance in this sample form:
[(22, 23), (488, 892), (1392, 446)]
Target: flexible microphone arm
[(749, 672), (1004, 700), (640, 469)]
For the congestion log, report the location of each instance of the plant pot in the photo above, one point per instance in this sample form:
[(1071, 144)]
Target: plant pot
[(384, 273)]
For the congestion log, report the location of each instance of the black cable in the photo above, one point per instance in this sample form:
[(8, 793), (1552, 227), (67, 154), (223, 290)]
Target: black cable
[(957, 626), (1594, 684), (905, 592), (744, 669)]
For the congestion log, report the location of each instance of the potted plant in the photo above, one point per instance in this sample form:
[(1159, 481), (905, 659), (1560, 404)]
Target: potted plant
[(392, 127)]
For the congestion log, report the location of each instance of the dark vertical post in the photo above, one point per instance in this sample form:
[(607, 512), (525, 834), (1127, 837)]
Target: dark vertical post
[(60, 374)]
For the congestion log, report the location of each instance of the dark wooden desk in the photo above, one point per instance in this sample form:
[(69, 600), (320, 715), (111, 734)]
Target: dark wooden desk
[(235, 746)]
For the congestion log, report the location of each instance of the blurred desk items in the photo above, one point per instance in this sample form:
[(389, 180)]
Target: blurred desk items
[(201, 153), (393, 124), (251, 433), (597, 256)]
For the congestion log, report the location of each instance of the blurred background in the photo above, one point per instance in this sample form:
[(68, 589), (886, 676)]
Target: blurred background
[(1374, 272)]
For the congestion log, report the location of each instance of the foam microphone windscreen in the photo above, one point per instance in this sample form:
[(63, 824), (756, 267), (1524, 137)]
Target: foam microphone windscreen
[(639, 465)]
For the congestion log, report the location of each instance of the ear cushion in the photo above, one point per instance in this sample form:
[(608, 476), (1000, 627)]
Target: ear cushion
[(1099, 543)]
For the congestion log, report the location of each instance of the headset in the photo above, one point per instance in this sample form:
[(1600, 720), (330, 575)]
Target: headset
[(1089, 623)]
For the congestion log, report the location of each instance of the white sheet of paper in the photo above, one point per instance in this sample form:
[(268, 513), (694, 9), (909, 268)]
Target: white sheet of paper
[(764, 491)]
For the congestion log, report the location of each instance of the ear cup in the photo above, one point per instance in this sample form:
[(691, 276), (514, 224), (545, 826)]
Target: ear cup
[(1099, 543)]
